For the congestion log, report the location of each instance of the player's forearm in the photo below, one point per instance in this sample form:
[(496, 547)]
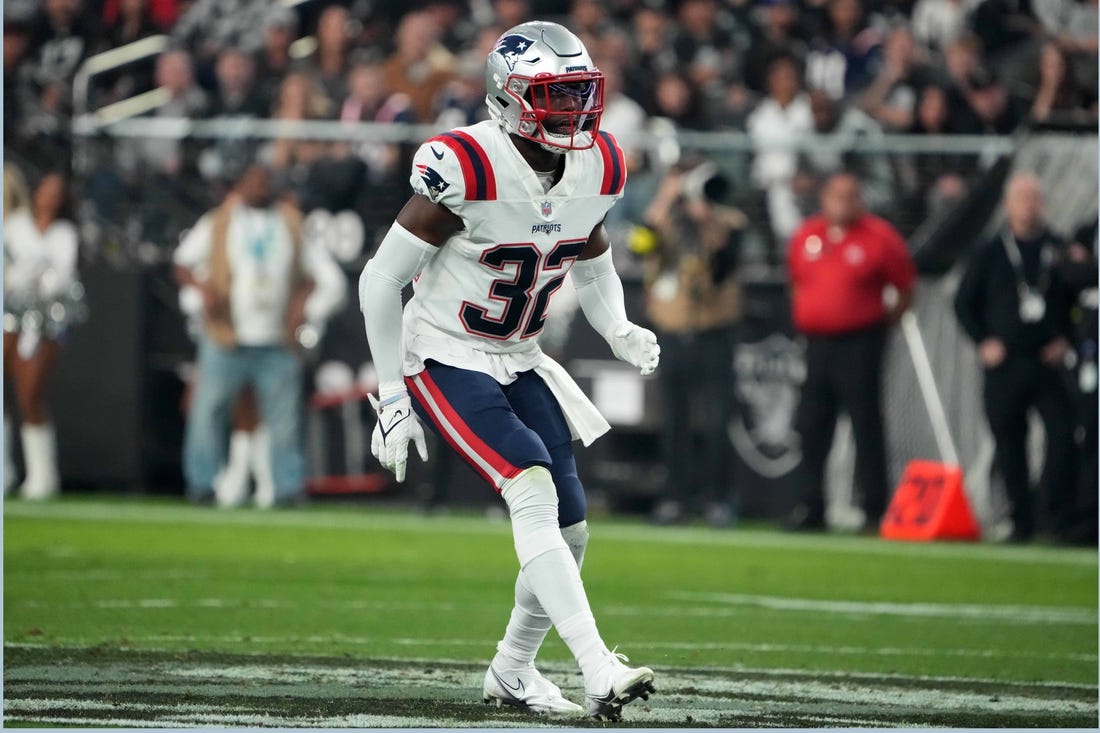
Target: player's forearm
[(398, 259), (600, 292)]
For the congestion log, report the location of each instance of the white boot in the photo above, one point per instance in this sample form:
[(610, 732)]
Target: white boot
[(9, 464), (231, 486), (40, 452), (260, 462)]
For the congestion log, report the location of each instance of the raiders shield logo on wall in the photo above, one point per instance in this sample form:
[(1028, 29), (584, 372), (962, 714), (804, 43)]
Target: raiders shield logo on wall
[(768, 376)]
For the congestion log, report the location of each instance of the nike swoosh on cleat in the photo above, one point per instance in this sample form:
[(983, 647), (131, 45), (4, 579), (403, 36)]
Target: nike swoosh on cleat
[(401, 415), (607, 699), (438, 155), (518, 689)]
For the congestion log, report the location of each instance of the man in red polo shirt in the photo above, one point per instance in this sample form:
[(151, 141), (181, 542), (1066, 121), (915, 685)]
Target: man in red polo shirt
[(851, 277)]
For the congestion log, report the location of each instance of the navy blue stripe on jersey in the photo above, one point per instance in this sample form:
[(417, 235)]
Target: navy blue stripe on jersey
[(473, 155), (613, 157)]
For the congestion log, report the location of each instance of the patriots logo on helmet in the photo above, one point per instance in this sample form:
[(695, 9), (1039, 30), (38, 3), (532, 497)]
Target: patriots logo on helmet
[(435, 183), (512, 47)]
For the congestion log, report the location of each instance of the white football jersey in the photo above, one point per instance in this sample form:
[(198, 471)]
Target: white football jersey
[(486, 292)]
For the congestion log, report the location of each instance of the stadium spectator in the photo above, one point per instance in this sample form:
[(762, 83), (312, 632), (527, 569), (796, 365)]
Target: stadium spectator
[(167, 156), (936, 23), (162, 13), (59, 37), (459, 29), (933, 182), (892, 96), (18, 93), (1006, 29), (509, 13), (329, 62), (236, 93), (164, 170), (1058, 91), (776, 32), (300, 98), (842, 263), (1014, 303), (842, 60), (273, 61), (236, 98), (978, 101), (62, 35), (652, 33), (40, 268), (462, 101), (259, 282), (1071, 24), (691, 253), (1080, 272), (679, 101), (849, 128), (704, 46), (782, 116), (131, 21), (209, 26), (420, 66), (588, 19)]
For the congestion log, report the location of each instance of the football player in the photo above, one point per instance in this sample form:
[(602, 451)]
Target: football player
[(503, 210)]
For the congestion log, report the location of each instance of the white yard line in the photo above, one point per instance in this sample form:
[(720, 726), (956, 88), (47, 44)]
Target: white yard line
[(1014, 614), (727, 604), (389, 521), (822, 649)]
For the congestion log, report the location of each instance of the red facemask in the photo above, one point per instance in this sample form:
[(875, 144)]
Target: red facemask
[(565, 109)]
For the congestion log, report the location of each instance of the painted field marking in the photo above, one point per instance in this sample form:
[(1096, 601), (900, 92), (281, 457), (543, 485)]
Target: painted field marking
[(728, 605), (764, 648), (326, 519), (1015, 614)]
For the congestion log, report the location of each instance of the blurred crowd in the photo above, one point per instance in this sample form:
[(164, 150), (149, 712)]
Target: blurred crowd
[(776, 69)]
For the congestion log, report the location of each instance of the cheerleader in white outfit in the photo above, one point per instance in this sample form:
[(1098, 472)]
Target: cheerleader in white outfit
[(41, 299)]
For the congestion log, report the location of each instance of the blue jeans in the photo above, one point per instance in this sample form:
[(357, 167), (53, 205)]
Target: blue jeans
[(276, 377)]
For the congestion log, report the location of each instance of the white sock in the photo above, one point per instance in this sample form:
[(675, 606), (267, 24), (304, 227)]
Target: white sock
[(260, 462), (549, 568), (9, 464), (40, 452), (529, 624), (231, 486)]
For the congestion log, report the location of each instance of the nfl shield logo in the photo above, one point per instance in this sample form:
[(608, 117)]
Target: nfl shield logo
[(547, 208)]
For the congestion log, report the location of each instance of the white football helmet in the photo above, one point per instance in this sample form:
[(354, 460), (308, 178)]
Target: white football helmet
[(541, 84)]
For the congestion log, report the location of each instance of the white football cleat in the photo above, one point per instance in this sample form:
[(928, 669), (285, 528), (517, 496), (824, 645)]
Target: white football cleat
[(615, 685), (526, 688)]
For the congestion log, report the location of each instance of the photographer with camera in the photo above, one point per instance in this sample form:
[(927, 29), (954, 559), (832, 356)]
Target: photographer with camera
[(690, 247)]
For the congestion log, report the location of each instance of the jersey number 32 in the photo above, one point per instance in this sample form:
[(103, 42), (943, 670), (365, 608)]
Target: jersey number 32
[(518, 293)]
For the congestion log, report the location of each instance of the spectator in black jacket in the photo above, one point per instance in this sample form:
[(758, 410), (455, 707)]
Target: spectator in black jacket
[(1079, 270), (1015, 304)]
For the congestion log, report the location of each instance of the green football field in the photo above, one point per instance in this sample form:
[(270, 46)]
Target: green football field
[(155, 613)]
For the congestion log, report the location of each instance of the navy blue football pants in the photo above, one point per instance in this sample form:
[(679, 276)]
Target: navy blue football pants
[(500, 430)]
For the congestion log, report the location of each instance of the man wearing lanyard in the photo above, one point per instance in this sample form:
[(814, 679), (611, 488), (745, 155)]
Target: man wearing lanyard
[(842, 263), (260, 283), (1015, 305)]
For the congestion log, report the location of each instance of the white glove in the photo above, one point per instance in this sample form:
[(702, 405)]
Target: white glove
[(396, 426), (635, 345)]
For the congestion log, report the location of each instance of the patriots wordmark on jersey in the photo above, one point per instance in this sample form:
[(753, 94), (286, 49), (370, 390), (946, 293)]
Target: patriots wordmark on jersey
[(492, 282)]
